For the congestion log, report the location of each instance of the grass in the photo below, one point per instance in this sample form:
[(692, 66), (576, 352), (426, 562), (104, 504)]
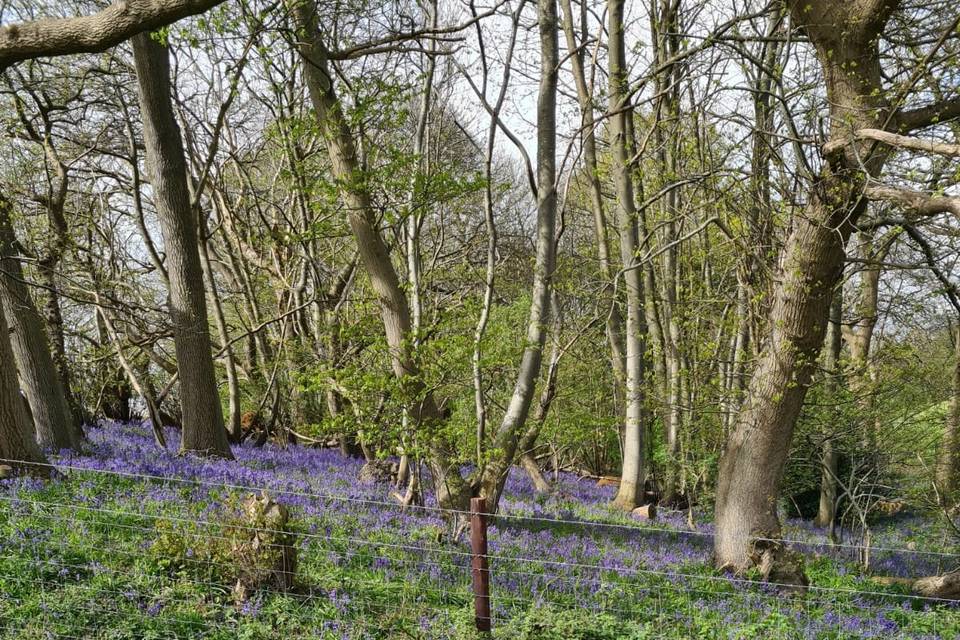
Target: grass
[(93, 554)]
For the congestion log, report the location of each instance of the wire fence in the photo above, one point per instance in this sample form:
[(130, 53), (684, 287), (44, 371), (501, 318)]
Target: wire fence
[(101, 553)]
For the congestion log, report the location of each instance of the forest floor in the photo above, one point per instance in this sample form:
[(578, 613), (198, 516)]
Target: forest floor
[(102, 551)]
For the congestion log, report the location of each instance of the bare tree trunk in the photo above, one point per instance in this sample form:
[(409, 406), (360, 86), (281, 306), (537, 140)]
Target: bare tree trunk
[(505, 443), (664, 29), (52, 416), (203, 428), (452, 491), (829, 456), (860, 336), (614, 323), (633, 472), (947, 461), (547, 395), (234, 430), (17, 445), (752, 465)]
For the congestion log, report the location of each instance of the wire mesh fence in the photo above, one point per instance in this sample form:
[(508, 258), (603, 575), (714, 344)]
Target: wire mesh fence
[(112, 553)]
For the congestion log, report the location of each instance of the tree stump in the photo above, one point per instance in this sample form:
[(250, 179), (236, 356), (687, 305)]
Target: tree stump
[(262, 550), (780, 566), (378, 471), (646, 512)]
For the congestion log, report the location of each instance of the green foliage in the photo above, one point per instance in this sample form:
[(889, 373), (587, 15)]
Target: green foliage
[(547, 623)]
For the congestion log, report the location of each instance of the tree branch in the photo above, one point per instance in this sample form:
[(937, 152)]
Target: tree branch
[(894, 140), (90, 34), (936, 113), (922, 204)]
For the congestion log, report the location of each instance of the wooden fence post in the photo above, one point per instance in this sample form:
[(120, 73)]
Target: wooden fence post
[(481, 571)]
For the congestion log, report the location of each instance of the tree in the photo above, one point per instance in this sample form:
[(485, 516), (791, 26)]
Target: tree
[(508, 435), (90, 34), (633, 475), (17, 445), (42, 385), (846, 39), (203, 426), (452, 491)]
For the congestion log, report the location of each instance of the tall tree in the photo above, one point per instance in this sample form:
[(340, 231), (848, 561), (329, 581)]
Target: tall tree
[(510, 431), (949, 455), (203, 427), (452, 491), (631, 491), (42, 385), (17, 445), (846, 38)]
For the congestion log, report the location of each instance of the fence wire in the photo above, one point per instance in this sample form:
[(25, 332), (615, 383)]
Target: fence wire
[(101, 553)]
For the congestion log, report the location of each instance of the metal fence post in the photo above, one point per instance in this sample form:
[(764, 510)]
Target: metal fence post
[(481, 571)]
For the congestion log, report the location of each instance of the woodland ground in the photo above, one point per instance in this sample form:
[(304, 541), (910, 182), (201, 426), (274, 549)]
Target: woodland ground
[(102, 552)]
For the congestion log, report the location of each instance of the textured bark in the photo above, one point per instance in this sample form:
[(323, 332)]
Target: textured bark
[(93, 33), (633, 472), (829, 457), (234, 431), (508, 434), (17, 445), (860, 338), (946, 586), (52, 416), (452, 491), (754, 265), (751, 469), (203, 429), (548, 394)]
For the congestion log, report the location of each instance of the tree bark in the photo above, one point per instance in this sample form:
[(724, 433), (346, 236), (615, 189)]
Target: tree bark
[(234, 431), (17, 445), (633, 472), (829, 456), (203, 430), (751, 468), (947, 460), (90, 34), (52, 416), (614, 322), (548, 394)]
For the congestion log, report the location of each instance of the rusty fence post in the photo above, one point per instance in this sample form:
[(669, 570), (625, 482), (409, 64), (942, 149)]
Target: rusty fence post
[(481, 571)]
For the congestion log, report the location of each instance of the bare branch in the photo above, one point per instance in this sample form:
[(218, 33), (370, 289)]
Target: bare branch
[(936, 113), (916, 202), (894, 140), (93, 33)]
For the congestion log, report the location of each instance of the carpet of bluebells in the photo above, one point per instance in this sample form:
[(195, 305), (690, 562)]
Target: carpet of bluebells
[(79, 558)]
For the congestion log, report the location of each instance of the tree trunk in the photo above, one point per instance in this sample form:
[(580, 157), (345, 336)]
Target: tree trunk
[(751, 468), (829, 456), (548, 394), (234, 431), (505, 443), (17, 445), (633, 472), (203, 429), (614, 322), (452, 491), (52, 416)]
